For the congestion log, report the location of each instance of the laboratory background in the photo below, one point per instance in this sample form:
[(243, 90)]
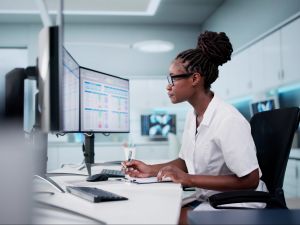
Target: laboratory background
[(137, 40)]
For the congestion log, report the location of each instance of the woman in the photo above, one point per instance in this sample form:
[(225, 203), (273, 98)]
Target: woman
[(217, 153)]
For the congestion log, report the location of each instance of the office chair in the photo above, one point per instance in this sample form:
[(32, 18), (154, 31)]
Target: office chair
[(273, 133)]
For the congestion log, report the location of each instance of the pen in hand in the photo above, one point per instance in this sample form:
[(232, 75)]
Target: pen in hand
[(128, 159), (129, 156)]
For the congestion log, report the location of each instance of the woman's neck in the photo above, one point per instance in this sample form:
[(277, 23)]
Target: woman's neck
[(200, 102)]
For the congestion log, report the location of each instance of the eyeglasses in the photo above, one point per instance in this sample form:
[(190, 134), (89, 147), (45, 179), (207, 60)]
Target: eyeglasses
[(175, 77)]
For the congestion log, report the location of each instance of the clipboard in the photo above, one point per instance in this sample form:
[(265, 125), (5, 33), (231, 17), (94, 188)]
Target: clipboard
[(147, 180)]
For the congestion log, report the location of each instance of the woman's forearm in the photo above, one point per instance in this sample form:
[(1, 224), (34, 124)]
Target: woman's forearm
[(226, 182), (179, 163)]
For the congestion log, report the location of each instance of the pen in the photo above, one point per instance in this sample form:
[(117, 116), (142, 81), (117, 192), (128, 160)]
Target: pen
[(129, 155)]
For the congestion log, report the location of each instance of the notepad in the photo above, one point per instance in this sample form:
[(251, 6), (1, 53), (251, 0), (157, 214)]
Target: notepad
[(147, 180)]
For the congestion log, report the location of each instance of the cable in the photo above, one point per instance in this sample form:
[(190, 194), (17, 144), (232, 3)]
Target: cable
[(69, 211)]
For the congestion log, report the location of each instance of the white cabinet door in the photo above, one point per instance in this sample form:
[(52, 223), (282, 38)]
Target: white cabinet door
[(221, 85), (256, 67), (241, 83), (290, 51), (272, 60), (224, 86)]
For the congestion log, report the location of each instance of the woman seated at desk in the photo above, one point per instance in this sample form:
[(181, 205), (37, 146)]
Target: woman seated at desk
[(218, 152)]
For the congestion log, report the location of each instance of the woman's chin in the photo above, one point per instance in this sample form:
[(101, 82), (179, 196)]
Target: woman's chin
[(173, 100)]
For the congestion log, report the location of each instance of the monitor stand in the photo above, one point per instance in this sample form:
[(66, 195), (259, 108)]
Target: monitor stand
[(39, 140), (88, 149), (40, 145)]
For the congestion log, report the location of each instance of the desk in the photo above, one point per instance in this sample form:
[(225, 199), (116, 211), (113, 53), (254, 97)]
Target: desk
[(157, 203), (252, 216)]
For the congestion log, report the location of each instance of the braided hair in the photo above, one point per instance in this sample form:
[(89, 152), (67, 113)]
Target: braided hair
[(213, 49)]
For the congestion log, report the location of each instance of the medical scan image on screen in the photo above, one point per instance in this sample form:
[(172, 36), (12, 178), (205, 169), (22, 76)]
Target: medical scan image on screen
[(104, 102), (158, 125), (262, 106), (70, 93)]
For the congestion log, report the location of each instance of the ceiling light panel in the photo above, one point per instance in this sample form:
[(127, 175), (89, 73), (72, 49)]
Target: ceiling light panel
[(84, 7)]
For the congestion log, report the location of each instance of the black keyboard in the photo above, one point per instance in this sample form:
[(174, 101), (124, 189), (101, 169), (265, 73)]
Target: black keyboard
[(94, 194), (113, 173)]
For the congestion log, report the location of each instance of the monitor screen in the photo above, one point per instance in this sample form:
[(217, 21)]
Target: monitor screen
[(158, 125), (70, 99), (264, 105), (104, 102)]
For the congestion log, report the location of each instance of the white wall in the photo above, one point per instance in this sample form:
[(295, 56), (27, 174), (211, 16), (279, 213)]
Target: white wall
[(109, 47)]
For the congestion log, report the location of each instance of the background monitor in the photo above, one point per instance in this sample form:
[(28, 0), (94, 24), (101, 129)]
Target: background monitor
[(104, 102), (263, 105), (70, 98), (14, 94), (158, 125)]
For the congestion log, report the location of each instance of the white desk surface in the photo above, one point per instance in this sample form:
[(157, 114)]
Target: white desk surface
[(157, 203)]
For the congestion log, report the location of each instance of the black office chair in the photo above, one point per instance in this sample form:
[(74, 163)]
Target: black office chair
[(273, 133)]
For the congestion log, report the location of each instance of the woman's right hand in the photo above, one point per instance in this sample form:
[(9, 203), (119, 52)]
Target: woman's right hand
[(136, 168)]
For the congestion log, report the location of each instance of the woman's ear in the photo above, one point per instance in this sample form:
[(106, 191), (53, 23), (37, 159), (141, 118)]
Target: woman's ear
[(197, 79)]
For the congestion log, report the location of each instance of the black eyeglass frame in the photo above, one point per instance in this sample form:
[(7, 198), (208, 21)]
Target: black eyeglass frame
[(183, 75)]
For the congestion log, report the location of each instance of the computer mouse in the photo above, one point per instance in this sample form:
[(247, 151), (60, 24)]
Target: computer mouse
[(97, 177)]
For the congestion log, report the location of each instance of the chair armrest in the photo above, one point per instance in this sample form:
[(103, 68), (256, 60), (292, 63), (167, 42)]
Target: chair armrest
[(231, 197)]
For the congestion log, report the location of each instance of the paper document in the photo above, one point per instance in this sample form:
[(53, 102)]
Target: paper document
[(147, 180)]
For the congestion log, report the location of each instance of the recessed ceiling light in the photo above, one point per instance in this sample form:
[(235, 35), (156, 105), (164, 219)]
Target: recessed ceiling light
[(154, 46)]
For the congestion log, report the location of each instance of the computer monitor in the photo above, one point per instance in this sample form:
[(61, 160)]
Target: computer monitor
[(158, 125), (263, 105), (70, 97), (104, 102), (49, 79)]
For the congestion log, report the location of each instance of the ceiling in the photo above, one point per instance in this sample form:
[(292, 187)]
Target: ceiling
[(191, 12), (106, 42)]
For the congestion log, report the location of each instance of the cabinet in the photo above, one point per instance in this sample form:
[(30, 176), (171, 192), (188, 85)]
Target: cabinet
[(234, 77), (269, 63), (291, 185), (65, 153), (290, 48), (256, 67), (242, 83), (222, 86), (271, 58)]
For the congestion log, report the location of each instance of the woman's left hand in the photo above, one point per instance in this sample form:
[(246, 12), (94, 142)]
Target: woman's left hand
[(175, 174)]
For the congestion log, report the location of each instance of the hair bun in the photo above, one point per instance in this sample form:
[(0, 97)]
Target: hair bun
[(215, 46)]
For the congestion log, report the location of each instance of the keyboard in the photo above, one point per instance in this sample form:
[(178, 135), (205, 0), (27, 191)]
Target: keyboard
[(113, 173), (94, 194)]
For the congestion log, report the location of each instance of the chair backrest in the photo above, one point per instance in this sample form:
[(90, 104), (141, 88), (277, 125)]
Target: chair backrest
[(273, 132)]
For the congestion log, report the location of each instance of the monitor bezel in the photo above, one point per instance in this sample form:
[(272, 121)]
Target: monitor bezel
[(107, 74), (62, 115), (49, 77)]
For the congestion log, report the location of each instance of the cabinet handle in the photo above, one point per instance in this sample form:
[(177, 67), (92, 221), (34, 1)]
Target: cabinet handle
[(249, 84), (296, 170), (282, 74), (227, 92)]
